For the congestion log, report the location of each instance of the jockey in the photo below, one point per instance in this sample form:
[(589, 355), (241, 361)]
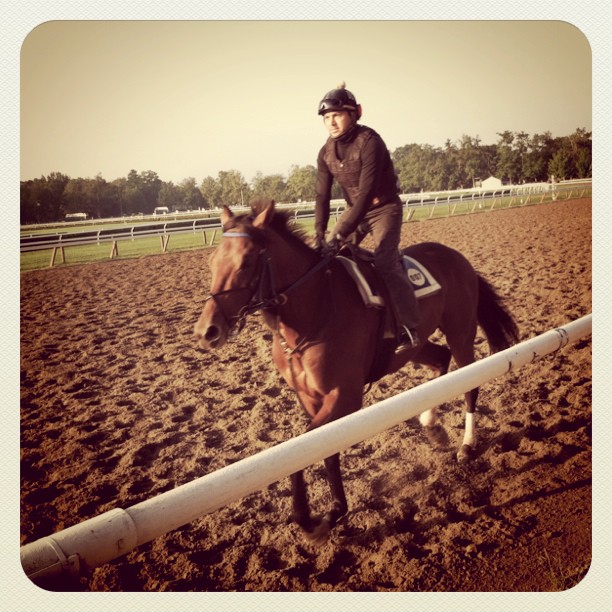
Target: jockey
[(357, 157)]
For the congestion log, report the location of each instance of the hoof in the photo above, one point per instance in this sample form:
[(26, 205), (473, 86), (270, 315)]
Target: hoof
[(466, 453), (319, 534), (437, 436)]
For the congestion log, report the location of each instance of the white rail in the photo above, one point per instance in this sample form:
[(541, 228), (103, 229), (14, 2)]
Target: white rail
[(115, 533)]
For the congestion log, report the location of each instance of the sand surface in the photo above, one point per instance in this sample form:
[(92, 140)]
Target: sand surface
[(118, 405)]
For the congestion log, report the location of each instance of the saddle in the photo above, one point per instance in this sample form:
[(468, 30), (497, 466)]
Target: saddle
[(356, 260), (359, 264)]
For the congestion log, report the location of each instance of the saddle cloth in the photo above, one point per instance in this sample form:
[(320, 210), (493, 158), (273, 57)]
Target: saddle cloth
[(422, 280)]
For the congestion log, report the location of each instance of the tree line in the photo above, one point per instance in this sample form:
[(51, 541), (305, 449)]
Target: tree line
[(516, 158)]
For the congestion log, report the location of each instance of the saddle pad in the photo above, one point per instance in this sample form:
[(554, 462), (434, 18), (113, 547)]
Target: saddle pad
[(422, 280), (368, 297)]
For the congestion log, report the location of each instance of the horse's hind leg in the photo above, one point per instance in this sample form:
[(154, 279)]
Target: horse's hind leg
[(437, 358), (463, 351), (469, 436)]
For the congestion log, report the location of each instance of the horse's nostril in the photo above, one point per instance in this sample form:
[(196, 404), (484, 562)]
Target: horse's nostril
[(212, 333)]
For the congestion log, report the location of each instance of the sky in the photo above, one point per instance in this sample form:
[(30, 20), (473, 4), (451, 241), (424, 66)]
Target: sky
[(193, 98)]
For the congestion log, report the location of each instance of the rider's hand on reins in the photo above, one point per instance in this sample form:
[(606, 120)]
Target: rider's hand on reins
[(327, 249), (319, 243), (332, 248)]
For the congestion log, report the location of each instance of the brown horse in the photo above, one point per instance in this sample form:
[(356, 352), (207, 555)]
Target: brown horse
[(326, 341)]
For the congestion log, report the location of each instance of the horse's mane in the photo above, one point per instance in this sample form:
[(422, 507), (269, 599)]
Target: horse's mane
[(281, 223)]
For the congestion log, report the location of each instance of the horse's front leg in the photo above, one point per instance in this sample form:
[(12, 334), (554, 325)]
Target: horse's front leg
[(319, 530), (339, 505), (301, 509), (336, 405), (294, 375)]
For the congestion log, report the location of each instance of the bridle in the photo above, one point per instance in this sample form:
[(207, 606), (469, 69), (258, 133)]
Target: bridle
[(262, 287), (265, 296)]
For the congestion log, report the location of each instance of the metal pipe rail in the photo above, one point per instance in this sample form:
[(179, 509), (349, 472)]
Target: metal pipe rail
[(103, 538)]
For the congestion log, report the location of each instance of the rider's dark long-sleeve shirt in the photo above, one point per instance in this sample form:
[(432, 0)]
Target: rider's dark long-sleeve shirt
[(376, 178)]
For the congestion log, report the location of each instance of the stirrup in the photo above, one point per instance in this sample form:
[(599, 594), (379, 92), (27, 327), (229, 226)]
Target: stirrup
[(408, 339)]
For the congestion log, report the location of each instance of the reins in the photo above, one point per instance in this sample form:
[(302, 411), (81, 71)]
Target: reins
[(262, 283)]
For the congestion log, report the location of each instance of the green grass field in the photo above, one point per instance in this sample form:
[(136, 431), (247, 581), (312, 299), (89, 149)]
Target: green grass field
[(127, 249), (141, 247)]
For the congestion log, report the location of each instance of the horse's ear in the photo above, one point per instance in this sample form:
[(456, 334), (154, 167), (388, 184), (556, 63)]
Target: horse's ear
[(226, 216), (265, 216)]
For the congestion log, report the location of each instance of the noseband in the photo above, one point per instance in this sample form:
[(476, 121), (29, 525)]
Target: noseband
[(262, 287)]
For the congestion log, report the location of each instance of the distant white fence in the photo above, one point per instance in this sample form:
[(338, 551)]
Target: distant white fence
[(476, 197), (115, 533), (59, 241)]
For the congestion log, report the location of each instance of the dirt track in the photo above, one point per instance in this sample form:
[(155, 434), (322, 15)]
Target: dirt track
[(118, 406)]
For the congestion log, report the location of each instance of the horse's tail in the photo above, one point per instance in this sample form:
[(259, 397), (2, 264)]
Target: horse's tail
[(494, 318)]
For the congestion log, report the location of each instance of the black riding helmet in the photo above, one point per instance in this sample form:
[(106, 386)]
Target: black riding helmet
[(339, 99)]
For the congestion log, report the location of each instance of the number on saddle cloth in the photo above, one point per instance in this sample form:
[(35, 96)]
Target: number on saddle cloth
[(421, 279)]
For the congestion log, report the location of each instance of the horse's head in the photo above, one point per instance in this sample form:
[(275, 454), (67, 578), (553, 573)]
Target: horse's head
[(236, 267)]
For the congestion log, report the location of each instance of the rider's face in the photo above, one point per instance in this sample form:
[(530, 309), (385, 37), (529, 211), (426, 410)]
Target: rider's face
[(337, 122)]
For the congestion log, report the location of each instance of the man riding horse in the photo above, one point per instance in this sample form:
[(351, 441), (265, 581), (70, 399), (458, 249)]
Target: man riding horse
[(357, 157)]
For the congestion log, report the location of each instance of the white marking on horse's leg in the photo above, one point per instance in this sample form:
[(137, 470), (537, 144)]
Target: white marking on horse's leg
[(469, 437), (428, 418)]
